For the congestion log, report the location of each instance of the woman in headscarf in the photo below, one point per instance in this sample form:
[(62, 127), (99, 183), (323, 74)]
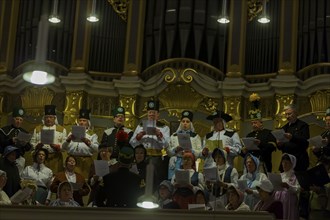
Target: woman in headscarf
[(289, 194), (64, 196), (176, 150), (236, 200), (4, 199), (251, 177)]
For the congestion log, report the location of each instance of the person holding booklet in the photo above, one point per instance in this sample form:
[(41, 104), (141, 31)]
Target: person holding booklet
[(324, 149), (289, 192), (15, 135), (262, 142), (50, 135), (222, 138), (183, 140), (77, 181), (155, 137), (82, 143), (248, 181), (64, 196)]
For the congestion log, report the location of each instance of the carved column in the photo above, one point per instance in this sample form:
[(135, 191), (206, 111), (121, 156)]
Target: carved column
[(320, 101), (232, 107), (288, 37), (8, 23), (281, 101), (74, 101), (134, 37), (129, 103)]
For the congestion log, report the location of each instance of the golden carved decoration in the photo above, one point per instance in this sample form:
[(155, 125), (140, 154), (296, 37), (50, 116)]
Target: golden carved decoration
[(34, 99), (72, 106), (128, 102), (120, 7), (254, 8), (101, 106), (320, 101), (209, 104), (232, 107), (178, 75), (281, 102), (177, 98)]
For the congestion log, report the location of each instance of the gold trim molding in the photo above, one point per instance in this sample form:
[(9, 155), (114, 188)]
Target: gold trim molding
[(232, 107), (254, 8), (72, 107), (120, 7), (281, 101), (179, 75), (128, 102)]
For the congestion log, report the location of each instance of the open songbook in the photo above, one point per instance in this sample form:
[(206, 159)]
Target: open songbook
[(149, 126), (210, 174), (250, 143), (47, 136), (78, 132), (279, 135), (184, 141), (316, 141)]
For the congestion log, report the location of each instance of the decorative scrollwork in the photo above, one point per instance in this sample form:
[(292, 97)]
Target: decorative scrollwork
[(186, 75), (120, 7), (254, 8), (169, 75)]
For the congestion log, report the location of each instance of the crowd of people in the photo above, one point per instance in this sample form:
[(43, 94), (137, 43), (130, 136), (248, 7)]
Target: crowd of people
[(182, 169)]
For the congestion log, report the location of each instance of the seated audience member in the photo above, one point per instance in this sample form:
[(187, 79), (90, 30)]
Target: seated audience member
[(236, 200), (165, 193), (40, 173), (227, 176), (184, 193), (77, 181), (8, 164), (267, 200), (31, 197), (324, 151), (289, 193), (4, 199), (121, 188), (64, 196), (140, 161), (320, 196), (94, 181), (252, 177), (202, 197)]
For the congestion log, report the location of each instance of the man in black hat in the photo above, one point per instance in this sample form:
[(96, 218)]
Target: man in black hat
[(118, 135), (9, 135), (121, 188), (264, 139), (155, 140), (84, 147), (54, 134), (221, 137)]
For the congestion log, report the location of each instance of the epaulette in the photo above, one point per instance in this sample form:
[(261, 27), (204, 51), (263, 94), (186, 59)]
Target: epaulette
[(229, 133), (208, 135), (90, 132), (160, 124)]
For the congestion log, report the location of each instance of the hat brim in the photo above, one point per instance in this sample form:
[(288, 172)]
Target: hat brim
[(222, 115)]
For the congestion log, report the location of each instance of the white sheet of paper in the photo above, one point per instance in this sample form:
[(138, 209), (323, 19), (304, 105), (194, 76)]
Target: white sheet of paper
[(196, 206), (134, 169), (182, 177), (316, 141), (249, 143), (21, 195), (149, 126), (279, 135), (184, 141), (78, 132), (210, 174), (101, 167), (47, 136), (242, 185), (25, 137), (276, 180)]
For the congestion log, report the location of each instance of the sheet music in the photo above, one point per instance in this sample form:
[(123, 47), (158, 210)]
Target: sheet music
[(47, 136), (279, 135), (21, 195), (101, 167), (182, 177), (24, 137), (316, 141), (250, 143), (184, 141), (76, 186), (79, 132), (210, 174), (242, 185), (149, 126), (276, 180), (212, 144)]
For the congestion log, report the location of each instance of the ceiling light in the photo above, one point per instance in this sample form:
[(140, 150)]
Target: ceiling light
[(54, 18), (224, 19), (92, 17), (264, 19)]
